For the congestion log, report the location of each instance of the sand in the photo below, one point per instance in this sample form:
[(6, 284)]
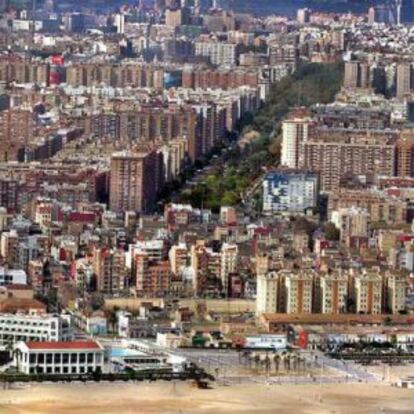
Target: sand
[(182, 398)]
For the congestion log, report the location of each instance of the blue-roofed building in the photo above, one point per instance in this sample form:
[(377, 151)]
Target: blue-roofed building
[(290, 191)]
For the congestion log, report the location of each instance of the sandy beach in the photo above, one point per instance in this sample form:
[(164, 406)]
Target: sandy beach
[(181, 398)]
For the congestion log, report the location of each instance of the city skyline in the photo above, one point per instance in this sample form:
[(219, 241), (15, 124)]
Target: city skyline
[(210, 202)]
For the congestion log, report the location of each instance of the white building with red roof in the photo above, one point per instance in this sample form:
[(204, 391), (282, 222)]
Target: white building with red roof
[(70, 358)]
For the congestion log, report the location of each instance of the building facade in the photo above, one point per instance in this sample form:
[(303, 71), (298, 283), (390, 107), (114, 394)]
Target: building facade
[(299, 292), (295, 132), (18, 327), (80, 357), (289, 191), (267, 293), (334, 293), (135, 181), (368, 293)]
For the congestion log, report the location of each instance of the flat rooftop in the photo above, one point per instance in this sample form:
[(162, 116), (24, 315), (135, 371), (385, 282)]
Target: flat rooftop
[(352, 319)]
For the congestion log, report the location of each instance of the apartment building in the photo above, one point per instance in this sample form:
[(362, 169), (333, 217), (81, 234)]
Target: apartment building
[(396, 292), (117, 76), (25, 71), (45, 327), (9, 194), (205, 264), (228, 215), (154, 279), (295, 131), (177, 17), (368, 292), (219, 53), (291, 191), (12, 276), (334, 293), (404, 81), (339, 155), (299, 292), (405, 154), (135, 181), (174, 155), (357, 75), (229, 256), (110, 270), (283, 54), (155, 249), (9, 241), (16, 131), (380, 206), (178, 257), (351, 222), (267, 293), (219, 78), (352, 116)]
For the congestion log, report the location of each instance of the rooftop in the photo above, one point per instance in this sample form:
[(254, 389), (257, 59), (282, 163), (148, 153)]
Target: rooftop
[(63, 345), (282, 318)]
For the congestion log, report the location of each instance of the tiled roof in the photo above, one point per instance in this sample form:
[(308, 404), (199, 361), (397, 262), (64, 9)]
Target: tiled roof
[(63, 345)]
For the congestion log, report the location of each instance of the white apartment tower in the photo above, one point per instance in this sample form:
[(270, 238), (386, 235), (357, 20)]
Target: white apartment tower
[(368, 293), (299, 292), (120, 23), (334, 293), (396, 293), (295, 131), (266, 297), (228, 263)]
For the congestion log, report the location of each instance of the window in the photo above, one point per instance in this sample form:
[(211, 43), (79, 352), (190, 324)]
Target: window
[(49, 358), (73, 370), (57, 358), (32, 358), (65, 370), (82, 358), (90, 358), (73, 358), (65, 358)]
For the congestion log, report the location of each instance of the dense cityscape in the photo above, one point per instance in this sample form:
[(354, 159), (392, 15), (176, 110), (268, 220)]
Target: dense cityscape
[(214, 193)]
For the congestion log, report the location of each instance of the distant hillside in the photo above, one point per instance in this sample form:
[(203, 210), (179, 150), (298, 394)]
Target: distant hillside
[(262, 7)]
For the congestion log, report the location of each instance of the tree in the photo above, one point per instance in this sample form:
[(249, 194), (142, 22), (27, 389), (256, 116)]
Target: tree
[(302, 224), (97, 301), (256, 359), (230, 198), (276, 360), (111, 318), (350, 305), (331, 232)]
